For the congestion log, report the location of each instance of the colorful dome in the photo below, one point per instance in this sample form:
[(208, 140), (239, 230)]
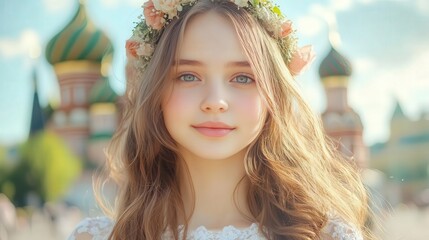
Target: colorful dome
[(335, 64), (102, 92), (79, 40)]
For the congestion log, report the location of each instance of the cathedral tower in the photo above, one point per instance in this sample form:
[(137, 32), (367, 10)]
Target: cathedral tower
[(341, 122), (80, 54)]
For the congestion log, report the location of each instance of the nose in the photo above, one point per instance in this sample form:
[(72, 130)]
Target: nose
[(215, 100)]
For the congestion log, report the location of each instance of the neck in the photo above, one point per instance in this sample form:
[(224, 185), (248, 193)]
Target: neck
[(218, 201)]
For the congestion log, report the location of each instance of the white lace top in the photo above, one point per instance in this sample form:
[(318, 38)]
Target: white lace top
[(100, 228)]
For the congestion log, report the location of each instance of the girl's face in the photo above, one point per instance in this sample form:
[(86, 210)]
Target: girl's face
[(214, 110)]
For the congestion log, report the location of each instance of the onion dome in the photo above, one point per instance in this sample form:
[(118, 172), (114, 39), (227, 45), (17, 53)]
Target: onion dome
[(102, 92), (335, 64), (79, 40)]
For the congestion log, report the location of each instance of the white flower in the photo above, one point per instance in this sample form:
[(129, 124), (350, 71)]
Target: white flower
[(183, 2), (266, 18), (263, 14), (169, 7), (145, 50), (241, 3), (158, 13)]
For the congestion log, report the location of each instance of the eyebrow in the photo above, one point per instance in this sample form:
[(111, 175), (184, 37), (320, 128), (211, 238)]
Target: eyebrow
[(187, 62), (239, 64), (198, 63)]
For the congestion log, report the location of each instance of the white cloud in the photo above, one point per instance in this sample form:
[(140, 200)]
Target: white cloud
[(341, 5), (309, 26), (422, 6), (57, 5), (412, 83), (374, 93), (27, 44), (367, 1), (371, 97), (363, 65), (327, 14), (407, 81)]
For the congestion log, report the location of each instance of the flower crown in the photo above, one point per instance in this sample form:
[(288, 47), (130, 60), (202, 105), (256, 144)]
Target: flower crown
[(158, 13)]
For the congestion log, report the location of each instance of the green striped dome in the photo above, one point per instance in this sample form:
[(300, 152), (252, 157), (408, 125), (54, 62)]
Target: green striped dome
[(79, 40), (335, 64), (102, 92)]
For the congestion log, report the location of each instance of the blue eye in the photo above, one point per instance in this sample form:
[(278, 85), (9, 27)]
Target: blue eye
[(188, 78), (243, 79)]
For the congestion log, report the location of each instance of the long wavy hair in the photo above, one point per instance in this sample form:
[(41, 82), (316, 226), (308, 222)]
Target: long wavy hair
[(295, 174)]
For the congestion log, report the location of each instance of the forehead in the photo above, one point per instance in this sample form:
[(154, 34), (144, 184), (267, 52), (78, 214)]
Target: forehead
[(209, 37)]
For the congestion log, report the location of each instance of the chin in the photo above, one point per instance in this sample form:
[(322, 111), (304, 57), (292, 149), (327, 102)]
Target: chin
[(215, 154)]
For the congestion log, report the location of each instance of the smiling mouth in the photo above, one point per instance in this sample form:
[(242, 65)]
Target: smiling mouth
[(213, 129), (214, 132)]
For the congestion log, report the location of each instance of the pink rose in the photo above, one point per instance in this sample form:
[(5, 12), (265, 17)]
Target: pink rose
[(154, 18), (131, 47), (301, 59), (286, 29)]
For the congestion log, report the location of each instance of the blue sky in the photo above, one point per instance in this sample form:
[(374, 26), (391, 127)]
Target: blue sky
[(385, 40)]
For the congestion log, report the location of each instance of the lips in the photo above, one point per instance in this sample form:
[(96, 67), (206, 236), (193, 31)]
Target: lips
[(213, 129)]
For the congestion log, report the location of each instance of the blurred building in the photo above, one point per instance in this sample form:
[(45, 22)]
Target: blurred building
[(340, 121), (37, 122), (404, 158), (81, 56), (344, 125)]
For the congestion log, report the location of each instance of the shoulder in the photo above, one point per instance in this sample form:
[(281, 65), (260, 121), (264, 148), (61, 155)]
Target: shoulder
[(338, 229), (98, 228)]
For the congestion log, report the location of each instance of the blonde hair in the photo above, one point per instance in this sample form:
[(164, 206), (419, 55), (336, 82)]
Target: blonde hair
[(296, 176)]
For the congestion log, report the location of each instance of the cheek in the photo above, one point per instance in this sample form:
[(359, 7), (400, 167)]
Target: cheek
[(253, 108), (176, 104)]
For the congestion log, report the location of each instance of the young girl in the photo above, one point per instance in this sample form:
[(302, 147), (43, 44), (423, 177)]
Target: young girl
[(216, 141)]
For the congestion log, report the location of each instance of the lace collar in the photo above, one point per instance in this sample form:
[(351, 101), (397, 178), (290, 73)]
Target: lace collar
[(100, 228), (228, 232)]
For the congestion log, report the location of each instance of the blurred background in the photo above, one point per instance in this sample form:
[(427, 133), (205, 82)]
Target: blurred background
[(62, 75)]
